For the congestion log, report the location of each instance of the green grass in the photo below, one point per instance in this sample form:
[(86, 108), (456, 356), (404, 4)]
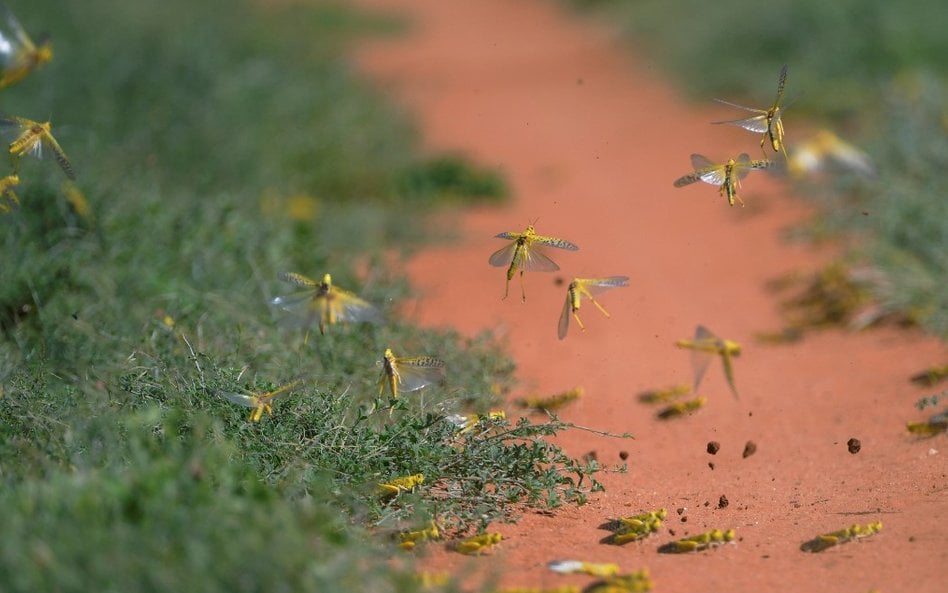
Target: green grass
[(217, 148), (873, 71)]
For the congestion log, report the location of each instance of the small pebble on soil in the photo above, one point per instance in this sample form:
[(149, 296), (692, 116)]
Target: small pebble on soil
[(854, 445), (749, 449), (713, 447)]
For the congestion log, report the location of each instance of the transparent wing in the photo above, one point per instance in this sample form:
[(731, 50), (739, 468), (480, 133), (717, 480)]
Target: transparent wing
[(11, 127), (534, 260), (700, 360), (757, 123), (502, 257), (11, 38), (242, 399), (714, 176), (415, 373), (556, 242), (597, 286), (298, 302), (348, 307), (704, 170), (701, 354), (742, 166), (300, 309), (563, 326), (703, 334), (729, 372)]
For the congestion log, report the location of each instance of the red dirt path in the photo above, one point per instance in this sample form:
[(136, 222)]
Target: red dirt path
[(591, 139)]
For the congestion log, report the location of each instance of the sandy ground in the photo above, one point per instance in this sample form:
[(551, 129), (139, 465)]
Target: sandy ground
[(591, 139)]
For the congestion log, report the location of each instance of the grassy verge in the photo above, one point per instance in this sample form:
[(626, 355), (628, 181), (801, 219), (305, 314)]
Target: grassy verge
[(873, 71), (216, 148)]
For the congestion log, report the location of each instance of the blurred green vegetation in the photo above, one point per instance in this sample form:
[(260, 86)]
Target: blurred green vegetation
[(217, 146), (873, 71)]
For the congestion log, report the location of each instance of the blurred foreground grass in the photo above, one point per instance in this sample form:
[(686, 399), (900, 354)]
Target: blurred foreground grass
[(875, 72), (216, 147)]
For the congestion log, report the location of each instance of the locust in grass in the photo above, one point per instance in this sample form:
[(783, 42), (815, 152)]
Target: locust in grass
[(768, 122), (409, 539), (260, 402), (322, 303), (8, 197), (596, 569), (77, 200), (589, 288), (478, 544), (525, 253), (835, 538), (30, 137), (468, 423), (702, 541), (726, 176), (19, 56), (704, 347), (408, 374), (401, 484)]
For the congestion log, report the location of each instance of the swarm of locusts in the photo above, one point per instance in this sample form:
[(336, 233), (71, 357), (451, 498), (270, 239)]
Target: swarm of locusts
[(20, 56)]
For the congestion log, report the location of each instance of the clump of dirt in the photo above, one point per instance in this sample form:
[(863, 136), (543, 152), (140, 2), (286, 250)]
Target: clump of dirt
[(749, 449), (854, 445)]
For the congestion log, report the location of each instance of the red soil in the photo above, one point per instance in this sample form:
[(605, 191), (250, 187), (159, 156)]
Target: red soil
[(591, 139)]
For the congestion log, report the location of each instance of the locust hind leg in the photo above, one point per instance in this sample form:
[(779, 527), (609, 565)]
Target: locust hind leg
[(600, 307)]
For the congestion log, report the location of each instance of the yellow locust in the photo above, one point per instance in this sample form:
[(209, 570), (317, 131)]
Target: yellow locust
[(768, 121), (589, 288), (552, 402), (29, 137), (704, 347), (476, 545), (826, 148), (835, 538), (260, 402), (638, 526), (680, 408), (702, 541), (663, 395), (409, 539), (934, 425), (19, 56), (8, 197), (596, 569), (322, 302), (525, 254), (400, 484), (633, 582), (408, 374), (726, 176)]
